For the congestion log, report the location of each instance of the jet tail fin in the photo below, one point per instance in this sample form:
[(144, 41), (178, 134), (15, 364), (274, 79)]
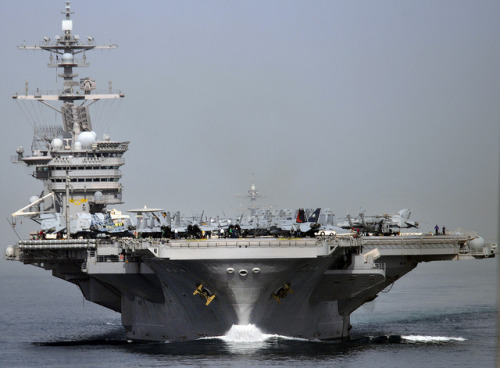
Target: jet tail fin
[(314, 216), (301, 216), (405, 213)]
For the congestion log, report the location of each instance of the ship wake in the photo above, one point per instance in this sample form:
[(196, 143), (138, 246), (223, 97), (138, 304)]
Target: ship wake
[(430, 339), (251, 334)]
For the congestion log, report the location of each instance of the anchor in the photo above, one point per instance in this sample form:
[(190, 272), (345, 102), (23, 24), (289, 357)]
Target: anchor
[(282, 292), (204, 294)]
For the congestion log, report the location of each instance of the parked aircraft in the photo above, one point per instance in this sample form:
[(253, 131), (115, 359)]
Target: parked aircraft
[(303, 225), (387, 224)]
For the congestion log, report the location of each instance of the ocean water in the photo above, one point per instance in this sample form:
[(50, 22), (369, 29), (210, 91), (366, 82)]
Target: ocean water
[(443, 314)]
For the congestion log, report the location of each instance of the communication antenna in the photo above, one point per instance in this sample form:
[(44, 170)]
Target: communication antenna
[(13, 226)]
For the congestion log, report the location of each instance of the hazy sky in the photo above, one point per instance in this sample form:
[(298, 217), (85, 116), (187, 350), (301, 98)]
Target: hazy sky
[(352, 105)]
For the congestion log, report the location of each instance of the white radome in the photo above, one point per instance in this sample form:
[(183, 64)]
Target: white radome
[(57, 143), (86, 139)]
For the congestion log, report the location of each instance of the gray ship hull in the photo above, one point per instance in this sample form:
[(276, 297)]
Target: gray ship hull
[(184, 290), (239, 300)]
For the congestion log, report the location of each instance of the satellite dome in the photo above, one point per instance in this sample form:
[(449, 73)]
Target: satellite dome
[(477, 243), (78, 146), (35, 207), (86, 139), (67, 58), (9, 251), (98, 197), (57, 143)]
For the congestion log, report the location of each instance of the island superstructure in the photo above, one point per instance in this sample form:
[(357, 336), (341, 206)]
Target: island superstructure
[(171, 288), (80, 173)]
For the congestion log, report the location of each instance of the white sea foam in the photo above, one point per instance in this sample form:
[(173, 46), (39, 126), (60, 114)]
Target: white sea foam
[(431, 339), (250, 333), (244, 333)]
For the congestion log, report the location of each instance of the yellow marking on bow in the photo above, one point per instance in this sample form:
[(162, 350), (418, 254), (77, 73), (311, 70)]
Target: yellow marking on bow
[(78, 202)]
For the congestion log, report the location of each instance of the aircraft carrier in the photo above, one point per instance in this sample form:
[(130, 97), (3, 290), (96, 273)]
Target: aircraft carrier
[(176, 287)]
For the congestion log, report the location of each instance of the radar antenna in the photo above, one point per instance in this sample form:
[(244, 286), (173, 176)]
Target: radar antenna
[(66, 47), (252, 195)]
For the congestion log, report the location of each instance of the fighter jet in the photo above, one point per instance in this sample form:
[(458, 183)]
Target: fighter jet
[(329, 225), (301, 226), (152, 222), (387, 224)]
